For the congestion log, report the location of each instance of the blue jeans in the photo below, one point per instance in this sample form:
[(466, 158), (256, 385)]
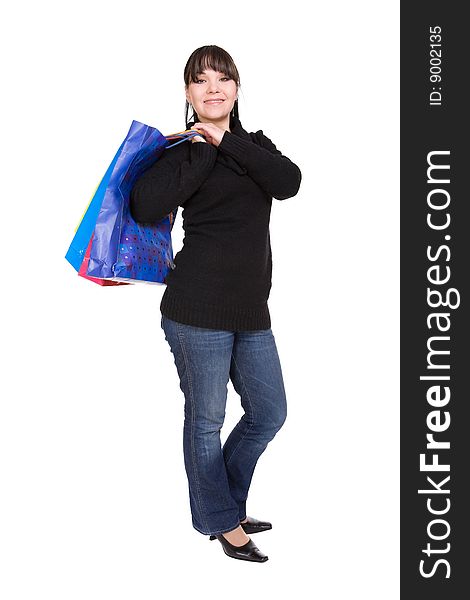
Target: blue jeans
[(219, 477)]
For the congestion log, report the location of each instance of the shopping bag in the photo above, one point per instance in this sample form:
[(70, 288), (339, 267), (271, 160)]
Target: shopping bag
[(122, 249), (109, 246)]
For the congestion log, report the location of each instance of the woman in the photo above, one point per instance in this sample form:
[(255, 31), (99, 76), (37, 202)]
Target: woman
[(214, 310)]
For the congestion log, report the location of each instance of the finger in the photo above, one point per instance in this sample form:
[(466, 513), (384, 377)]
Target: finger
[(194, 128)]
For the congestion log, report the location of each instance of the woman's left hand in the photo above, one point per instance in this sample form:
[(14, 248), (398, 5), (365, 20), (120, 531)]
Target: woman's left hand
[(211, 132)]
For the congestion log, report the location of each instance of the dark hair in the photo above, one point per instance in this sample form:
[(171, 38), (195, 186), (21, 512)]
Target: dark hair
[(209, 57)]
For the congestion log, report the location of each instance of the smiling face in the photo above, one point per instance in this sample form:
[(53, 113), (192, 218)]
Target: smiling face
[(212, 95)]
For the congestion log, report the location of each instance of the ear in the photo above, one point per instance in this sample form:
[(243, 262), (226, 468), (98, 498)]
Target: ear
[(186, 91)]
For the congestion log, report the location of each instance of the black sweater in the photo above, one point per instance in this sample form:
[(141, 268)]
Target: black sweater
[(222, 275)]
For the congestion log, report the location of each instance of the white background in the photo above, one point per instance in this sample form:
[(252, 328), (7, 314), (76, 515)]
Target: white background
[(94, 500)]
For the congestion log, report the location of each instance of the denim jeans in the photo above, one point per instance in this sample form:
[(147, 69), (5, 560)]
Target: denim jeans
[(219, 477)]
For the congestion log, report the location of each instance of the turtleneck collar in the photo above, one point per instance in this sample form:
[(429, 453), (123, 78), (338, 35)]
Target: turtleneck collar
[(235, 127)]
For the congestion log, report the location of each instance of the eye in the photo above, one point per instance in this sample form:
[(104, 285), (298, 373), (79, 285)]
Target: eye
[(225, 78), (199, 81)]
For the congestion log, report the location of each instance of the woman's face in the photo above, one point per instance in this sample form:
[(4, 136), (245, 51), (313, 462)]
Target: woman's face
[(212, 96)]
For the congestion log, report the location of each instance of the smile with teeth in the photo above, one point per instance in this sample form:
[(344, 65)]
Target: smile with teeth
[(214, 101)]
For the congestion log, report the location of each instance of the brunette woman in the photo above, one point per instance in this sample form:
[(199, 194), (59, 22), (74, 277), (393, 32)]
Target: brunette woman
[(215, 312)]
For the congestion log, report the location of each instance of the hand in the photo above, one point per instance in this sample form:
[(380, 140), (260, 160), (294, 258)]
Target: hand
[(197, 138), (211, 132)]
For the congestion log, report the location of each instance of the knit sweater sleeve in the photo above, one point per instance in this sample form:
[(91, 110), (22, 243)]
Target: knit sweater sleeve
[(170, 181), (264, 163)]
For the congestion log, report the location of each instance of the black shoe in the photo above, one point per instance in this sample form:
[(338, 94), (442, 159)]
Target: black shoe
[(246, 552), (255, 526), (252, 526)]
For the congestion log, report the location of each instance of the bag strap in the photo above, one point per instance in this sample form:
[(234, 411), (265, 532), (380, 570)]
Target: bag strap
[(182, 136)]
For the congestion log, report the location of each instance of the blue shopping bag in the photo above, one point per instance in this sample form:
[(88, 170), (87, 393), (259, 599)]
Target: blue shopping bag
[(121, 247), (115, 246)]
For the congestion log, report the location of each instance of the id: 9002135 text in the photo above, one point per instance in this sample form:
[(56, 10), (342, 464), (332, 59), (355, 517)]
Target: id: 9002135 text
[(435, 70)]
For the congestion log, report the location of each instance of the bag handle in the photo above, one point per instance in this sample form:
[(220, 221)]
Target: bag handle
[(182, 136)]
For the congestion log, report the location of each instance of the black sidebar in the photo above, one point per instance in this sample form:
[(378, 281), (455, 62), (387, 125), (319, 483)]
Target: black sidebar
[(434, 305)]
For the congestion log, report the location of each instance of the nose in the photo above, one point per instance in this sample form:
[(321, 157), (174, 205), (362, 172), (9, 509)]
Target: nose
[(213, 87)]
